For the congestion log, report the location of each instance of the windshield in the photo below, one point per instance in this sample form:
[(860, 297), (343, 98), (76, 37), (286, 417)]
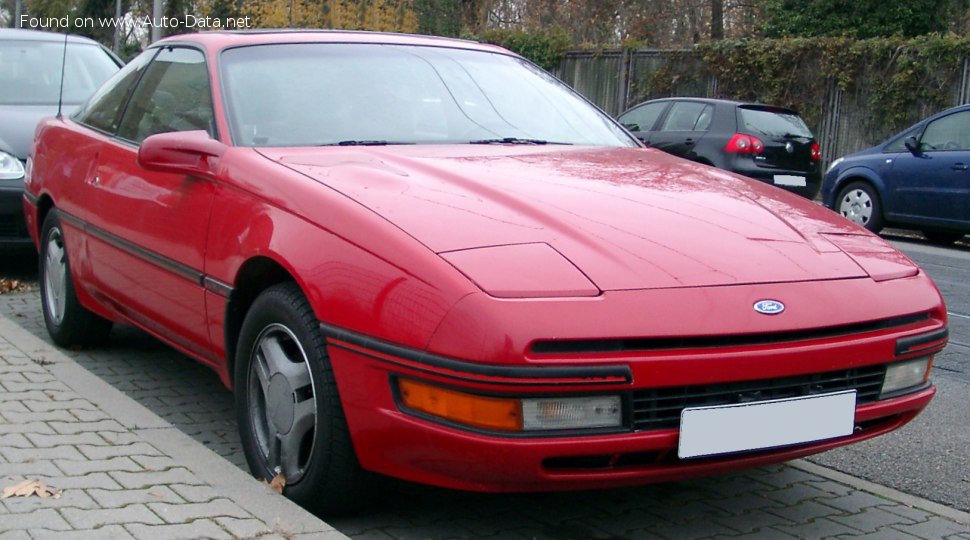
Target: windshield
[(328, 94), (30, 72), (774, 123)]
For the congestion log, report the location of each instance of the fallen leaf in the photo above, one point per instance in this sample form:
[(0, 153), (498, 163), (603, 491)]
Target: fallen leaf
[(277, 484), (28, 488)]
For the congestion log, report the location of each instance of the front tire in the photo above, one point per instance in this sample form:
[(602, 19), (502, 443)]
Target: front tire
[(291, 421), (68, 322), (859, 203)]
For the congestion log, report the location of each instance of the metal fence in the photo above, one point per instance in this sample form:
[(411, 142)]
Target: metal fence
[(617, 80)]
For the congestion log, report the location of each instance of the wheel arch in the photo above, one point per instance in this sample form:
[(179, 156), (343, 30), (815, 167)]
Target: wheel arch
[(858, 174), (255, 275)]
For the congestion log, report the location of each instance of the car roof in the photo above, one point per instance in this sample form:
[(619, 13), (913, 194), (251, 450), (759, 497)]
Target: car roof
[(713, 101), (22, 34), (218, 40)]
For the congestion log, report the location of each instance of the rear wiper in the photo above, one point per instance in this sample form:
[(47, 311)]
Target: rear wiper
[(513, 140), (794, 136)]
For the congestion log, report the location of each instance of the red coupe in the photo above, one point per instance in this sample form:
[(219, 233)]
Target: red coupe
[(429, 259)]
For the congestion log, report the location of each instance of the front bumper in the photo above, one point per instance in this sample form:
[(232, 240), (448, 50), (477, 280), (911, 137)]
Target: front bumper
[(12, 227), (396, 443)]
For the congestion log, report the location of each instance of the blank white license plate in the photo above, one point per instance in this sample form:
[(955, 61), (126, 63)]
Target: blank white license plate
[(722, 429), (789, 180)]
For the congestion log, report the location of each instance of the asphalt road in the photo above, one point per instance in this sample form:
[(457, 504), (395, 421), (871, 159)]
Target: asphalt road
[(928, 458)]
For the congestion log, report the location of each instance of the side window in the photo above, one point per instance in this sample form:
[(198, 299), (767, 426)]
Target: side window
[(686, 116), (643, 118), (103, 110), (948, 133), (174, 95), (899, 145)]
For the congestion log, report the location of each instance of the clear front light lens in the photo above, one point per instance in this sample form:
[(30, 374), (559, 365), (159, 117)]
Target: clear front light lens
[(10, 167), (908, 374), (571, 413)]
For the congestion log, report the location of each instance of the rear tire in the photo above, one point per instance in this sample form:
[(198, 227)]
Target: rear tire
[(68, 322), (291, 420), (858, 202), (943, 238)]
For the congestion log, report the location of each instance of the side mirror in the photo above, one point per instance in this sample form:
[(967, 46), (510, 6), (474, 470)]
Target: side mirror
[(181, 152), (913, 146)]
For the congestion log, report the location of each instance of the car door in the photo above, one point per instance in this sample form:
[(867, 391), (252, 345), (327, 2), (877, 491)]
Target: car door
[(934, 186), (148, 229), (642, 119), (684, 125)]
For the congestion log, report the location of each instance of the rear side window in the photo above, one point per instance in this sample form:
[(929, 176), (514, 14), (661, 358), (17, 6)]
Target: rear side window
[(174, 95), (772, 122), (688, 116), (103, 110), (643, 118)]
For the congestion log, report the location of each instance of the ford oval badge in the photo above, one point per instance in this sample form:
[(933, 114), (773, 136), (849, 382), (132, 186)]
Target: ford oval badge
[(769, 307)]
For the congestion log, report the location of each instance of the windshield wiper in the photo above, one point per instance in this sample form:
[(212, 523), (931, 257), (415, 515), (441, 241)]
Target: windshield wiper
[(514, 140), (353, 142)]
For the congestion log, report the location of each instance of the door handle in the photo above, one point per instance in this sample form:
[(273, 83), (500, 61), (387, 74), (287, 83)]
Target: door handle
[(959, 166)]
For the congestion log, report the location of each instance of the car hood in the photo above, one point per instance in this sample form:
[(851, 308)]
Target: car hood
[(17, 124), (626, 218)]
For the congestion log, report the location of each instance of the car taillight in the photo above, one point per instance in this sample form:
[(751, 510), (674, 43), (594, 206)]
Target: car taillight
[(744, 144), (816, 152)]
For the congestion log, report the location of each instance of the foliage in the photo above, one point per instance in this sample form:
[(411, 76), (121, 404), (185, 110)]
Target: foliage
[(893, 76), (439, 17), (544, 47), (377, 15), (860, 18)]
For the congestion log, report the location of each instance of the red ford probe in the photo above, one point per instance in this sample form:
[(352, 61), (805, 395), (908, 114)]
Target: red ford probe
[(427, 258)]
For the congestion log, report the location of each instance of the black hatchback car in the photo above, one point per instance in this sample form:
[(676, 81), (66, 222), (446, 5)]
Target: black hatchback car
[(767, 143)]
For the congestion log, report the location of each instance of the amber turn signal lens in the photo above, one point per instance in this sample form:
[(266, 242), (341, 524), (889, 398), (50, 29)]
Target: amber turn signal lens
[(468, 409)]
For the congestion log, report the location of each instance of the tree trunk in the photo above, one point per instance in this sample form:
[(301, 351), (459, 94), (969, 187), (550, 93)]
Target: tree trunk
[(717, 19)]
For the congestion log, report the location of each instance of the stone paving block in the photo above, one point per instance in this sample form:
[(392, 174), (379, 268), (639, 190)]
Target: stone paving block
[(92, 415), (832, 487), (244, 528), (14, 535), (26, 386), (700, 528), (34, 395), (885, 533), (805, 512), (103, 450), (154, 463), (39, 376), (43, 517), (15, 440), (195, 493), (118, 498), (180, 513), (87, 481), (12, 407), (123, 438), (32, 427), (820, 528), (110, 532), (762, 534), (181, 531), (913, 514), (44, 416), (854, 502), (85, 466), (147, 479), (13, 376), (739, 505), (872, 519), (70, 498), (76, 440), (798, 493), (754, 521), (69, 428), (89, 519), (32, 468), (786, 477), (28, 455), (935, 527)]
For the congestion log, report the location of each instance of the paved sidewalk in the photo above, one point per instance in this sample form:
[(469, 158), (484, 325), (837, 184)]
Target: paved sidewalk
[(122, 471), (172, 470)]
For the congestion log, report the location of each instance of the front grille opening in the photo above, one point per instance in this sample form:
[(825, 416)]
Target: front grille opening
[(660, 408), (591, 346), (12, 226)]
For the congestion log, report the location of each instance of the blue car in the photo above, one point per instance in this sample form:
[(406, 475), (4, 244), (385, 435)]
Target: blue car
[(918, 179)]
